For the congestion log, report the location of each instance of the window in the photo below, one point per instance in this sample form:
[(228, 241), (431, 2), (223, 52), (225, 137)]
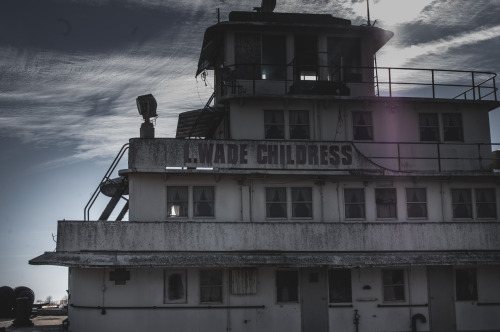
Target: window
[(429, 126), (393, 285), (416, 203), (211, 286), (339, 282), (466, 284), (452, 127), (299, 124), (244, 281), (203, 201), (274, 124), (362, 126), (386, 203), (354, 200), (276, 203), (461, 201), (177, 201), (344, 54), (486, 206), (287, 286), (301, 202), (175, 286), (260, 56)]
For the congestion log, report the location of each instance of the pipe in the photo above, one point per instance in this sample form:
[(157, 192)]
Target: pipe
[(414, 321), (356, 320)]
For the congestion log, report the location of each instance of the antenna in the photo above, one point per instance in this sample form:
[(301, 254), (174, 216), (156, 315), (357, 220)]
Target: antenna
[(368, 11)]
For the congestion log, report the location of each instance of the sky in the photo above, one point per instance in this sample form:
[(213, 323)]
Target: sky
[(70, 71)]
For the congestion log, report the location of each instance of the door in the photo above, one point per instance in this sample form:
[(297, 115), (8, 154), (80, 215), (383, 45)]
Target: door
[(441, 300), (314, 300)]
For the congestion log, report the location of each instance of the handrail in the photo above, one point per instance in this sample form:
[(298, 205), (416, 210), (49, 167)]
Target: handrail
[(111, 169), (289, 73)]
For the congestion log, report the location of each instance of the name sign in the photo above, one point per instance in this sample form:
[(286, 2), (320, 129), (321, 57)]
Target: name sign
[(161, 153)]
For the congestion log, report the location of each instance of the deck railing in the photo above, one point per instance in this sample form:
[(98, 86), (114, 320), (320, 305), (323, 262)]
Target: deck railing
[(378, 81)]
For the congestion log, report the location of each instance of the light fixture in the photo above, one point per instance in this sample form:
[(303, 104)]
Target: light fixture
[(146, 105)]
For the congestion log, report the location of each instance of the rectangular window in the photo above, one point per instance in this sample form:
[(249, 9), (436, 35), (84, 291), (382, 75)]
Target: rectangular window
[(486, 206), (466, 284), (244, 281), (203, 201), (362, 126), (211, 286), (339, 282), (276, 203), (302, 202), (175, 288), (287, 286), (386, 203), (247, 54), (453, 127), (461, 201), (416, 203), (429, 127), (274, 124), (299, 124), (177, 201), (273, 57), (354, 200), (393, 285)]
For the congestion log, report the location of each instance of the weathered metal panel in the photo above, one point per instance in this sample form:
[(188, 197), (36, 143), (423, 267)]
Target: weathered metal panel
[(174, 259), (307, 236)]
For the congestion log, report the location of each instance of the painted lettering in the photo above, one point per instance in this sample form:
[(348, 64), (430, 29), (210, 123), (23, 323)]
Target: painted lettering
[(300, 154), (312, 155), (323, 153), (232, 154), (261, 158), (272, 154), (205, 152), (334, 155), (186, 153), (243, 154), (347, 155), (289, 160)]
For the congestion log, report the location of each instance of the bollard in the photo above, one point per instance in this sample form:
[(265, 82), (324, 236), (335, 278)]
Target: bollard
[(23, 312)]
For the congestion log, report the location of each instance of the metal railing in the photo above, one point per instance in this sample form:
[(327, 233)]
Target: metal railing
[(389, 81), (444, 157), (106, 177)]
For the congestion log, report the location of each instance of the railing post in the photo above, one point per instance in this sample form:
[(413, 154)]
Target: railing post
[(390, 84), (433, 87), (494, 88), (439, 156), (399, 159), (473, 88), (253, 66)]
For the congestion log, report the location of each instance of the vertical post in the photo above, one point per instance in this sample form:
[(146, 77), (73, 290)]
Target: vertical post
[(368, 11), (494, 88), (433, 87), (473, 87), (399, 158), (439, 156), (390, 84), (218, 15), (253, 82)]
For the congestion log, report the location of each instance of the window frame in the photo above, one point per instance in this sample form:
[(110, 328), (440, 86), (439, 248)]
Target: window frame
[(467, 204), (294, 204), (436, 128), (412, 203), (398, 285), (463, 285), (477, 204), (196, 212), (370, 126), (166, 286), (447, 127), (345, 298), (249, 283), (295, 294), (349, 204), (169, 202), (219, 286), (287, 125), (380, 205)]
